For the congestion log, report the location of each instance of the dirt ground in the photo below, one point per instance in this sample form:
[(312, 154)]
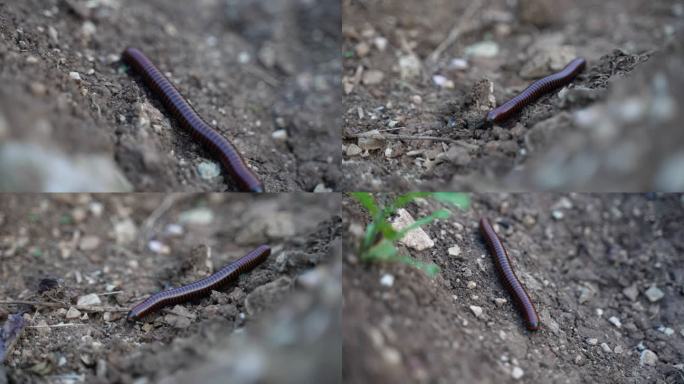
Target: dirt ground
[(605, 272), (266, 74), (616, 128), (276, 324)]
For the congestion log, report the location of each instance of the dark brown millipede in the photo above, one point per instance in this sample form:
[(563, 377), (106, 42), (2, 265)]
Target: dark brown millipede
[(508, 277), (202, 287), (536, 90), (188, 118)]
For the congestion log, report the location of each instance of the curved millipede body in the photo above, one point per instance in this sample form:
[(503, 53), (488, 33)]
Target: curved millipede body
[(174, 102), (536, 90), (201, 287), (508, 277)]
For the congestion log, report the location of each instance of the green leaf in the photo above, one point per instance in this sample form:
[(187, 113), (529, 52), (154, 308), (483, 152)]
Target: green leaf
[(367, 201), (430, 269), (382, 251), (461, 200)]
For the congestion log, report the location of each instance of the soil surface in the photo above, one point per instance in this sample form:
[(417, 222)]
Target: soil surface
[(605, 273), (92, 257), (74, 118), (434, 68)]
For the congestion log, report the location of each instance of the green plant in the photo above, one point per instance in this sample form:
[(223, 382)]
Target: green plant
[(380, 238)]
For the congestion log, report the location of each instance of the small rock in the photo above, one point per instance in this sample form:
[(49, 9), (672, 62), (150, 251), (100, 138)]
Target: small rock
[(442, 81), (454, 251), (89, 243), (177, 321), (158, 247), (417, 238), (631, 292), (517, 373), (321, 188), (606, 348), (266, 295), (43, 327), (486, 49), (90, 299), (369, 143), (654, 294), (362, 49), (353, 150), (380, 43), (416, 99), (648, 357), (372, 77), (391, 356), (387, 280), (75, 76), (471, 285), (125, 231), (618, 349), (592, 341), (499, 301), (458, 64), (38, 89), (279, 135), (477, 311), (557, 214), (458, 155), (410, 67), (208, 170), (197, 216), (73, 313), (666, 330), (31, 59), (615, 321)]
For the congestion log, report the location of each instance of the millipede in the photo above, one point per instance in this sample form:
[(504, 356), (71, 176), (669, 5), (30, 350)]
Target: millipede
[(533, 92), (189, 119), (508, 277), (202, 287)]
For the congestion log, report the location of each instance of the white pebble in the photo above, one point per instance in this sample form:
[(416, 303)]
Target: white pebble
[(615, 321), (75, 76), (280, 135), (654, 294), (648, 357), (472, 285), (605, 348), (387, 280), (477, 311), (91, 299), (73, 313), (455, 250), (592, 341), (517, 373)]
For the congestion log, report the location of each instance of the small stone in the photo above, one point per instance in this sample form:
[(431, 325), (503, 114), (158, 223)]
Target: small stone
[(666, 330), (410, 67), (43, 328), (458, 155), (208, 170), (52, 33), (387, 280), (579, 360), (90, 299), (321, 188), (31, 59), (177, 321), (197, 216), (557, 214), (458, 64), (471, 285), (648, 357), (73, 313), (125, 231), (517, 373), (454, 251), (654, 294), (615, 321), (391, 356), (416, 99), (606, 348), (416, 238), (362, 49), (477, 311), (486, 49), (107, 316), (592, 341), (38, 89), (380, 43), (75, 76), (353, 150), (618, 349), (631, 292), (279, 135), (147, 327), (372, 77), (500, 301), (158, 247), (442, 81), (89, 243)]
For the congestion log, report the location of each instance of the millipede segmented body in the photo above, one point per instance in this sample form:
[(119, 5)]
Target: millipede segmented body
[(508, 276), (202, 287), (536, 90), (174, 102)]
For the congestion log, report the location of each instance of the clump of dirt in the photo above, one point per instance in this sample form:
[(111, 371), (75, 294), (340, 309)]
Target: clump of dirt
[(266, 76), (604, 271), (411, 69), (73, 265)]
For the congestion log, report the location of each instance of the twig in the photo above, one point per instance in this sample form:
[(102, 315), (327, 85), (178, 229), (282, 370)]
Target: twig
[(158, 212), (60, 325), (463, 24), (84, 308)]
